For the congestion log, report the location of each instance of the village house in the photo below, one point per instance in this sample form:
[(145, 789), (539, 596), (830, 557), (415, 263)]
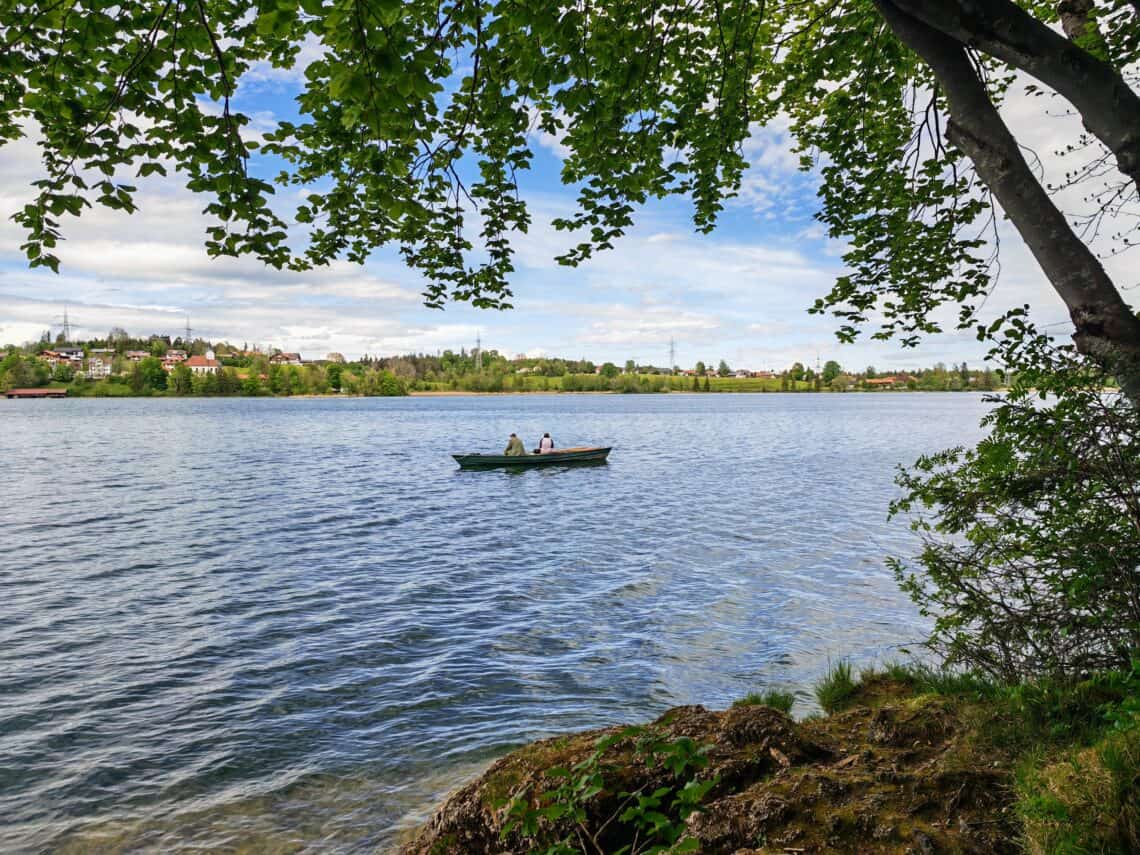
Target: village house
[(889, 382), (54, 358), (173, 358), (204, 364), (70, 355), (99, 363), (285, 359), (136, 355), (335, 357)]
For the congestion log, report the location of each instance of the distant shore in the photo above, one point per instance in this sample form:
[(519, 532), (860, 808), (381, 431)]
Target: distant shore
[(122, 392)]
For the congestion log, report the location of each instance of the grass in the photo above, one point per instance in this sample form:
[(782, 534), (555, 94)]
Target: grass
[(1084, 799), (1075, 747), (774, 698), (938, 681), (836, 688)]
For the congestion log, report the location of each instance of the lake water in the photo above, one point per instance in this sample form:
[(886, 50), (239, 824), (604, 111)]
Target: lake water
[(293, 624)]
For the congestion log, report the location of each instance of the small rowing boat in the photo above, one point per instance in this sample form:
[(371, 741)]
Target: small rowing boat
[(561, 457)]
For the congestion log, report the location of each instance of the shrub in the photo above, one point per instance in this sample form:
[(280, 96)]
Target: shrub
[(1031, 540)]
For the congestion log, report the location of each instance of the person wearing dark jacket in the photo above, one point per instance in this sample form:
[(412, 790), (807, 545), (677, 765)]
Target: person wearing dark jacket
[(515, 447)]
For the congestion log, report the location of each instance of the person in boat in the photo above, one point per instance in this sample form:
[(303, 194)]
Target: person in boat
[(515, 447), (546, 444)]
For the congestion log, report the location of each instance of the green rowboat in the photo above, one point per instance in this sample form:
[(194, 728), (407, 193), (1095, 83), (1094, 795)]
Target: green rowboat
[(561, 457)]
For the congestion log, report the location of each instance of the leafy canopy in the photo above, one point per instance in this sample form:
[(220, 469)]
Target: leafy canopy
[(417, 118)]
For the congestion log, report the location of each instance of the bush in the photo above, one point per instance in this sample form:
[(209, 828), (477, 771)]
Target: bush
[(1031, 541)]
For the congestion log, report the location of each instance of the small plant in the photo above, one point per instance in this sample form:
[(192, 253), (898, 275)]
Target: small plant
[(652, 821), (774, 698), (836, 687)]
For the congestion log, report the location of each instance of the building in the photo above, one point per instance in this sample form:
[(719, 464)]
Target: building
[(36, 393), (204, 364), (335, 357), (285, 359), (54, 358), (72, 356), (136, 355), (891, 381), (99, 363)]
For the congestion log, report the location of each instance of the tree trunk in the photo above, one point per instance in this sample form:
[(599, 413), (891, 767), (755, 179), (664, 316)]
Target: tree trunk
[(1000, 28), (1106, 328)]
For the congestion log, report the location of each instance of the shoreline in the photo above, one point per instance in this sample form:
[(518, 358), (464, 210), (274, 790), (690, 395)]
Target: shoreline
[(459, 393)]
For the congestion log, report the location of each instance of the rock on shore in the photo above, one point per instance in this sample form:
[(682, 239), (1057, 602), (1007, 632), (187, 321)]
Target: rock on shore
[(894, 774)]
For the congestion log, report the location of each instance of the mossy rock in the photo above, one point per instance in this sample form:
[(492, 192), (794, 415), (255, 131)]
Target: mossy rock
[(900, 775)]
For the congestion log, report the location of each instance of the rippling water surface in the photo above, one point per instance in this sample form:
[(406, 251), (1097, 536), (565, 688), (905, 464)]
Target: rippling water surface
[(292, 624)]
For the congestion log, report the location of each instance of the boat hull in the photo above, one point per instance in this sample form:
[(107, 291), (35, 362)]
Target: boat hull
[(564, 457)]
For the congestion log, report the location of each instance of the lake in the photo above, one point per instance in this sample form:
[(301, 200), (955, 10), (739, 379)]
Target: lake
[(294, 624)]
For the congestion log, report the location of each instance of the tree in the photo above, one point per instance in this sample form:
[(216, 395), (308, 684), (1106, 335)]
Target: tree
[(797, 372), (700, 369), (831, 370), (333, 374), (609, 370), (722, 370), (181, 380), (118, 338), (708, 386), (150, 374), (896, 101), (630, 367)]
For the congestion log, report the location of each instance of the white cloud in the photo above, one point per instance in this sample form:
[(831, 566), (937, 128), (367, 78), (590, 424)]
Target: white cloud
[(740, 294)]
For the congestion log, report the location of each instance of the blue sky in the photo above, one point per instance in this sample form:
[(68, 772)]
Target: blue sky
[(740, 294)]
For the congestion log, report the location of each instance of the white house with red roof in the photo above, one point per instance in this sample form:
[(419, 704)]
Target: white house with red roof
[(204, 364)]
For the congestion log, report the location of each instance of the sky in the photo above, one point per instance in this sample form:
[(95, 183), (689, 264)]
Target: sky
[(740, 294)]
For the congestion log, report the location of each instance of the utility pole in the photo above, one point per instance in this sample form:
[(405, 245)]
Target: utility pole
[(188, 331), (66, 326), (672, 355), (478, 353)]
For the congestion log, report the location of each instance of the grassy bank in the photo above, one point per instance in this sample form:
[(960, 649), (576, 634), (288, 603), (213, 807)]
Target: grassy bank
[(902, 759)]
